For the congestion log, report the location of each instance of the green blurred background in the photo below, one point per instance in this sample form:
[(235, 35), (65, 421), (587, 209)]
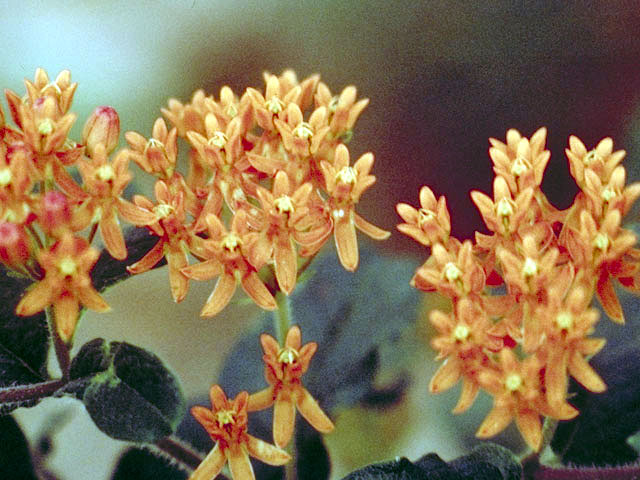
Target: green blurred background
[(442, 76)]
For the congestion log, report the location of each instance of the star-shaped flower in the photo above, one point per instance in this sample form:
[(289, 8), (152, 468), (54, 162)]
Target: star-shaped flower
[(226, 424), (284, 367)]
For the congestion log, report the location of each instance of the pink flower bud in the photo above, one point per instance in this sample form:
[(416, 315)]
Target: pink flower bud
[(14, 244), (55, 211), (103, 127)]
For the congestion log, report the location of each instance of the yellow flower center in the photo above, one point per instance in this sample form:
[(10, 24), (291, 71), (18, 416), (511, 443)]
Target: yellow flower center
[(504, 208), (564, 320), (226, 417), (601, 242), (162, 210), (425, 216), (461, 332), (218, 139), (230, 242), (347, 175), (333, 104), (513, 382), (105, 173), (154, 143), (288, 355), (283, 204), (274, 105), (303, 130), (591, 157), (231, 110), (5, 177), (519, 166), (67, 266), (607, 194), (451, 272), (530, 267), (45, 127)]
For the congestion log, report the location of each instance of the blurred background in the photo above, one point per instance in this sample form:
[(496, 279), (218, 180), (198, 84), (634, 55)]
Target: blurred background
[(442, 76)]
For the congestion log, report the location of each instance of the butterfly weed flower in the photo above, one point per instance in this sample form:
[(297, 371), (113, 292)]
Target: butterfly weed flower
[(284, 367), (522, 341), (226, 424)]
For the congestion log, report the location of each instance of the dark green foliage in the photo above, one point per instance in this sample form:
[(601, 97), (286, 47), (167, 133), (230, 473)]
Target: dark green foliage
[(486, 462), (24, 341), (128, 392), (109, 271), (15, 457), (142, 464)]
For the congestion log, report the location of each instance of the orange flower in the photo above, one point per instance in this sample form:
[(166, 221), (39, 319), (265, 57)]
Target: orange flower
[(105, 182), (66, 284), (428, 225), (602, 160), (157, 155), (226, 424), (226, 256), (175, 241), (343, 109), (345, 185), (521, 162), (284, 368), (503, 214)]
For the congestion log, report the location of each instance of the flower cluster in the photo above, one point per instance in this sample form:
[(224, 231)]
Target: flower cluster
[(269, 180), (226, 421), (521, 296)]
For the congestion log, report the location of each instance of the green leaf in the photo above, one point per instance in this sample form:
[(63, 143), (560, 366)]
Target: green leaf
[(15, 456), (24, 341), (128, 392), (108, 271)]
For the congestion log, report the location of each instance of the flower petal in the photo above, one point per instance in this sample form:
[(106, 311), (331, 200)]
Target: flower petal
[(311, 411), (258, 292), (261, 400), (344, 234), (221, 295), (497, 420), (39, 296), (284, 417), (211, 466), (239, 463), (266, 452)]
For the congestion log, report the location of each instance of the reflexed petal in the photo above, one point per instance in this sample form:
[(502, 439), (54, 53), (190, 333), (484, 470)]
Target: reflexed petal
[(344, 234), (286, 264), (134, 214), (266, 452), (65, 311), (91, 299), (580, 369), (311, 411), (221, 295), (152, 257), (239, 463), (370, 229), (555, 378), (497, 420), (203, 270), (37, 298), (112, 235), (177, 259), (284, 417), (609, 299), (210, 466), (259, 293), (467, 396), (528, 423), (446, 376), (261, 400)]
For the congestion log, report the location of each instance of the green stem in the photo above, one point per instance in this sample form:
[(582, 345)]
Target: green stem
[(61, 348), (531, 460), (290, 470), (282, 316)]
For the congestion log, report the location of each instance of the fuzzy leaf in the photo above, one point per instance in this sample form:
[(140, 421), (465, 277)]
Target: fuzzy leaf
[(128, 392), (334, 308), (486, 462), (24, 341), (108, 271), (142, 464), (15, 456)]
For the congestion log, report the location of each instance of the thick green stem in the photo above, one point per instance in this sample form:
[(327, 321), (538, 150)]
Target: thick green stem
[(61, 348), (282, 316)]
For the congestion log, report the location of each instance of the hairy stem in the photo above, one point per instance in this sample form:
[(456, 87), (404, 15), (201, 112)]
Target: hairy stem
[(31, 392), (630, 472)]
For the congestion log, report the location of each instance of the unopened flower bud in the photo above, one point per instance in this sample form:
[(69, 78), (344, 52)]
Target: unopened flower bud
[(103, 127), (14, 244), (55, 211)]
